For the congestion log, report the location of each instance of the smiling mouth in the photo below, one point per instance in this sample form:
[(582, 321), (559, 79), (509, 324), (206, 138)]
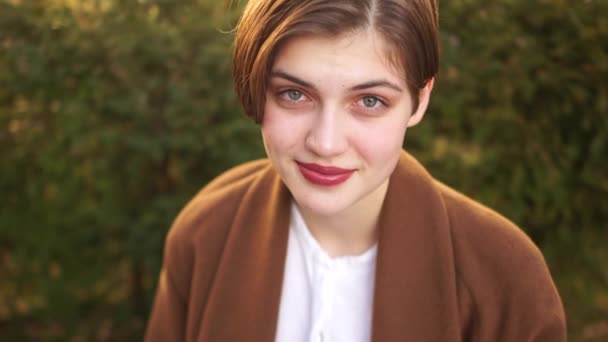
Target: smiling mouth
[(324, 175)]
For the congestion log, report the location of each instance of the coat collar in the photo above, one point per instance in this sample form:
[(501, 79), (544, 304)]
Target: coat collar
[(415, 278), (415, 291)]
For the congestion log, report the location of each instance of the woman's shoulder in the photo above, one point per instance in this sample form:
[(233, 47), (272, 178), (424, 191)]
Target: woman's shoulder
[(486, 242), (480, 230), (502, 275), (476, 229), (210, 211)]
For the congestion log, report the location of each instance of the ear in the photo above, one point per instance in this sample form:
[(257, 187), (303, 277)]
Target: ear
[(423, 102)]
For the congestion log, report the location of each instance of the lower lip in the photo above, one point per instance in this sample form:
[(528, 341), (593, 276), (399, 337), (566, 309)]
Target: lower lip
[(323, 179)]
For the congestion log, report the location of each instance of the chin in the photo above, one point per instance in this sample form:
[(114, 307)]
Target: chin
[(320, 202), (321, 207)]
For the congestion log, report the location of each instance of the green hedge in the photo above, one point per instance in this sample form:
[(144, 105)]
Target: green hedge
[(114, 113), (520, 121)]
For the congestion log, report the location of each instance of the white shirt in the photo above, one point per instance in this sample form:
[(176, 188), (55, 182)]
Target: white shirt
[(324, 299)]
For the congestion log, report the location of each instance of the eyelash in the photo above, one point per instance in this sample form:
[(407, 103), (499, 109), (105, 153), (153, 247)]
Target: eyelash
[(283, 96), (377, 98)]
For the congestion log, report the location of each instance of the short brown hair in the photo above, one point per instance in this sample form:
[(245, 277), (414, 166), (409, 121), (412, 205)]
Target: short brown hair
[(409, 27)]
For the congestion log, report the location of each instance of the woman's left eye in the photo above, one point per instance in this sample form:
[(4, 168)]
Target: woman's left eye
[(370, 102)]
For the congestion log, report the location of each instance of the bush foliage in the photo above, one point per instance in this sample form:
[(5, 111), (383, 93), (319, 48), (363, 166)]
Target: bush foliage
[(114, 113)]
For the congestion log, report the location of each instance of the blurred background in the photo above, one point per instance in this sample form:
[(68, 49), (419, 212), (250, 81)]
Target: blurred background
[(114, 113)]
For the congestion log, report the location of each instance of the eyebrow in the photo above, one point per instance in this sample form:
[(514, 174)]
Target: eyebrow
[(362, 86), (284, 75)]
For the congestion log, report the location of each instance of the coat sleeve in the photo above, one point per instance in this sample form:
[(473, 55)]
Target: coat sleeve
[(532, 312), (505, 289), (168, 318), (535, 311), (512, 298)]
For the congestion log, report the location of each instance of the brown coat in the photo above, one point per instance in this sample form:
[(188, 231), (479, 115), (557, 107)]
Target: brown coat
[(448, 269)]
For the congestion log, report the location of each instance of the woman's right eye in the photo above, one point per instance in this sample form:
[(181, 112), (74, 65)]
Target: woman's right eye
[(293, 95)]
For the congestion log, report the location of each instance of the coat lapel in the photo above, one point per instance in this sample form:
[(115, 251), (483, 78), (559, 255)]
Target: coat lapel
[(415, 290), (415, 293), (245, 297)]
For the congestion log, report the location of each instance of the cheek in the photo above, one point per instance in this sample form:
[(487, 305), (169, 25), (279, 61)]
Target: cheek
[(382, 144), (280, 131)]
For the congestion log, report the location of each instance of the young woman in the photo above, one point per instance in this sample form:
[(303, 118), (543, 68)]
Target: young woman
[(340, 235)]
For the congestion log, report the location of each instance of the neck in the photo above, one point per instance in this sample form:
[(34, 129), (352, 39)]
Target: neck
[(351, 231)]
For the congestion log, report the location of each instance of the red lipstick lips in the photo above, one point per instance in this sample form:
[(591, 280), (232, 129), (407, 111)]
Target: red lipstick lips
[(324, 175)]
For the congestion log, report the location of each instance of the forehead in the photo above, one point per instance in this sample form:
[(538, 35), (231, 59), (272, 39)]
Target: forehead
[(355, 56)]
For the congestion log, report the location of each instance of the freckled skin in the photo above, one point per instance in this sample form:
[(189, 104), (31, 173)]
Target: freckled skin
[(331, 124)]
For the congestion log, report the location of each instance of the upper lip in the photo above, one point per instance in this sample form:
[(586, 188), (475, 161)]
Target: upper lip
[(327, 170)]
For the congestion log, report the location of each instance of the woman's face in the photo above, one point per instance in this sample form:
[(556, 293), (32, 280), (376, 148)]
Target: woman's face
[(335, 118)]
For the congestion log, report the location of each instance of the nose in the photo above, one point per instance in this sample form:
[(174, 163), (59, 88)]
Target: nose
[(327, 134)]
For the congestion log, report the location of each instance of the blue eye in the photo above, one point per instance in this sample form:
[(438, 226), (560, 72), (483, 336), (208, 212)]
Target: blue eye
[(370, 101), (294, 95)]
